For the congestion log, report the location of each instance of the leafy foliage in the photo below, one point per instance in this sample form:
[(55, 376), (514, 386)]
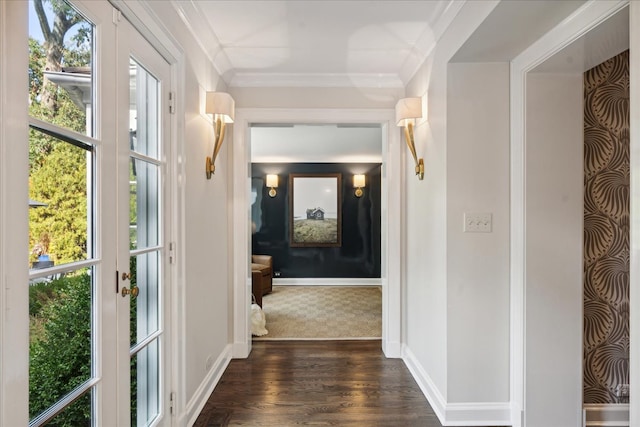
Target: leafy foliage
[(61, 358), (60, 182)]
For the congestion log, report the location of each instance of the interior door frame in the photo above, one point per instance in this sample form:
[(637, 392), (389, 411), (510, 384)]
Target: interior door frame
[(392, 198), (14, 227), (570, 30)]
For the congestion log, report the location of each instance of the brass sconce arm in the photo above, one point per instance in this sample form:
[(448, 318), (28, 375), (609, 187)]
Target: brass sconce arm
[(219, 129), (419, 163), (407, 111)]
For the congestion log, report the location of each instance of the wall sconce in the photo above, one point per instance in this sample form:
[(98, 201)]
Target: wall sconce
[(358, 184), (222, 106), (272, 182), (407, 111)]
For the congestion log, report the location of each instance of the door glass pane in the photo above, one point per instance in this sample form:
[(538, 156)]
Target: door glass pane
[(145, 399), (60, 65), (144, 215), (61, 334), (143, 111), (59, 190), (144, 309)]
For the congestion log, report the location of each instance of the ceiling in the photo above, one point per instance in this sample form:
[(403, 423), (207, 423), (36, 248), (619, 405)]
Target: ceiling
[(606, 40), (511, 27), (318, 43)]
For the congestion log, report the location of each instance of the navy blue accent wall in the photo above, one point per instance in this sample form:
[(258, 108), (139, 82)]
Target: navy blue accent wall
[(358, 257)]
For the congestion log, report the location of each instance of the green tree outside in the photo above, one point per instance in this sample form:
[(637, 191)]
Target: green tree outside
[(60, 357)]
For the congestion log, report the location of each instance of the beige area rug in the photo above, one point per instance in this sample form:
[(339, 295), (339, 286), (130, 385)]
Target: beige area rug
[(323, 312)]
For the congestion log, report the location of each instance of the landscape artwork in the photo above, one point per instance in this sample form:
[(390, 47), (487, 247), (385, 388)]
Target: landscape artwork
[(315, 209)]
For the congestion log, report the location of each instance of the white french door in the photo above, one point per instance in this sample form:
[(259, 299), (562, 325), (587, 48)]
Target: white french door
[(97, 137), (142, 256)]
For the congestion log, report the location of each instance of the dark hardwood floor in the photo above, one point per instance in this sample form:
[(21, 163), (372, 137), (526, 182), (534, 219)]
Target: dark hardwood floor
[(336, 383)]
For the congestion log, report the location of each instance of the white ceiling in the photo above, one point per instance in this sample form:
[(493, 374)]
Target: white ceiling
[(318, 43), (511, 27)]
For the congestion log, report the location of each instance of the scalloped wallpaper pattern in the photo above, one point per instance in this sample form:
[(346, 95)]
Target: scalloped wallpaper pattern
[(606, 229)]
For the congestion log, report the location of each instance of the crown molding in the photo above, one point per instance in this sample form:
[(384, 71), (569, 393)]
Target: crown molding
[(193, 18), (428, 40)]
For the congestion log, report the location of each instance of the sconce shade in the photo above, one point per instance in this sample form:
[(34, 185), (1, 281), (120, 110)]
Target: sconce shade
[(221, 104), (272, 181), (408, 109)]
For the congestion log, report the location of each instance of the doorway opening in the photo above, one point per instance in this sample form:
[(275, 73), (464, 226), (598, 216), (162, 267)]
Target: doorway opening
[(318, 233), (385, 268), (558, 187)]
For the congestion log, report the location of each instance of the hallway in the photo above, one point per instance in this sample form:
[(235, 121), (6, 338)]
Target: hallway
[(345, 383)]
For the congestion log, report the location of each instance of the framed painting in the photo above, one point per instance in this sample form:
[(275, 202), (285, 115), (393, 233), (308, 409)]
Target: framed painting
[(315, 209)]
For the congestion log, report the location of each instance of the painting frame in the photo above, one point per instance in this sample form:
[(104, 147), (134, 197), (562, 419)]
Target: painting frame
[(315, 210)]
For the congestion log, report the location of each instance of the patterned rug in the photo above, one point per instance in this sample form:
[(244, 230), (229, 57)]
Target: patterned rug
[(323, 312)]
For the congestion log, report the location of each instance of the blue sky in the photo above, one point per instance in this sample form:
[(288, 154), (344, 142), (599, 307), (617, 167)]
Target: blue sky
[(34, 24)]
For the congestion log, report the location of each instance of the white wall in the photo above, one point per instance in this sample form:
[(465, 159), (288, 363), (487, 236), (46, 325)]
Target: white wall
[(427, 218), (554, 212), (478, 263)]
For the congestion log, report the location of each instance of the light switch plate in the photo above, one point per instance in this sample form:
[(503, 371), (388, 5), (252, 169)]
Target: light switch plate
[(478, 222)]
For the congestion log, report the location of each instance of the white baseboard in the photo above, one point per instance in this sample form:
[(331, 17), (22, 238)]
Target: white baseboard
[(429, 389), (478, 414), (201, 395), (456, 414), (606, 415), (326, 282)]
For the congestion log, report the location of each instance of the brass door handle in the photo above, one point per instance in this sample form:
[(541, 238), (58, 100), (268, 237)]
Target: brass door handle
[(126, 276), (134, 291)]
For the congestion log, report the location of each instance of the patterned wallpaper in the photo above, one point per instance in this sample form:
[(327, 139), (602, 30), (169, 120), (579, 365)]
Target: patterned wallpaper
[(606, 230)]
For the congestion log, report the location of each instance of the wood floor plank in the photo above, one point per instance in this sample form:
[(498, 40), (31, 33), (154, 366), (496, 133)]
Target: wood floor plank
[(323, 383)]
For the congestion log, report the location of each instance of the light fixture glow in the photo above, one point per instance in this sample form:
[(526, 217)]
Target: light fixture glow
[(272, 183), (222, 106), (407, 111), (358, 184)]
